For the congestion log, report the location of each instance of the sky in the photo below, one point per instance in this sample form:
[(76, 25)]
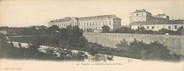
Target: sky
[(19, 13)]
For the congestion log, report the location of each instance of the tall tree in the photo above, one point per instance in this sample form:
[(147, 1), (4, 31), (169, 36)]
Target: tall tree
[(53, 29), (105, 28), (180, 31)]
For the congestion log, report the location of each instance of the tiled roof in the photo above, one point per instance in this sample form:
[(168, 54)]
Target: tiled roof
[(62, 20), (97, 17), (66, 19)]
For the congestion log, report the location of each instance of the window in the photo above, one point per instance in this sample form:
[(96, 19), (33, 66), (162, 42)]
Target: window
[(163, 26), (158, 27), (169, 27), (109, 22), (152, 27), (147, 27), (175, 27), (137, 14)]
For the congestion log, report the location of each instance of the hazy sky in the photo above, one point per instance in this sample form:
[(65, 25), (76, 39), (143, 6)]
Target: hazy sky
[(27, 13)]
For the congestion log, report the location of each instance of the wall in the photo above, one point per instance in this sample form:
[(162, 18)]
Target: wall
[(173, 42)]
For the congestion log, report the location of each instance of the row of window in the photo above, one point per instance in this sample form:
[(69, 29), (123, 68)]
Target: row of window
[(95, 23), (84, 24), (97, 27), (153, 27), (94, 28), (138, 14), (65, 24)]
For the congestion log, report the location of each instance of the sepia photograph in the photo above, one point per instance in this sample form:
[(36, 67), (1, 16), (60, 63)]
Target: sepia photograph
[(91, 35)]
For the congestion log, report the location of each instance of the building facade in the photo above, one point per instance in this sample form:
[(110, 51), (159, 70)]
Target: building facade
[(143, 18), (94, 23)]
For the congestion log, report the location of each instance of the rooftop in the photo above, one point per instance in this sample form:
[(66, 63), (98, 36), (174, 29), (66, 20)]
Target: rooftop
[(86, 18), (142, 10)]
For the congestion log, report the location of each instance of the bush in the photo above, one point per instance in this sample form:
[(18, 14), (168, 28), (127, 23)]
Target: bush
[(139, 49), (105, 29), (125, 30)]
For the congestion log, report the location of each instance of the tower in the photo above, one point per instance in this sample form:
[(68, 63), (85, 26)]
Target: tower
[(140, 16)]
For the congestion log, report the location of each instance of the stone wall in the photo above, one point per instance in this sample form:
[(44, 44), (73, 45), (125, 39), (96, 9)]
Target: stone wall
[(173, 42)]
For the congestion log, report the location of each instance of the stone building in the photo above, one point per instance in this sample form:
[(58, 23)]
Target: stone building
[(143, 18), (94, 23)]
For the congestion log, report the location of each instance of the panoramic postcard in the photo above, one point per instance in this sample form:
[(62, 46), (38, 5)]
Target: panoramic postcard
[(79, 35)]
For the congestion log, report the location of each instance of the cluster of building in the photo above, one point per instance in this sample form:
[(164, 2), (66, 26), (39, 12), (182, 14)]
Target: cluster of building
[(139, 18), (143, 18)]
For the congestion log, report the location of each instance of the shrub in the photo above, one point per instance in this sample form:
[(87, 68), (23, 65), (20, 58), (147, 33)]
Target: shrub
[(139, 49)]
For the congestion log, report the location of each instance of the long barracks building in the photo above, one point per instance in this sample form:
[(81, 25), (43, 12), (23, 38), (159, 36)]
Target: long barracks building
[(94, 23)]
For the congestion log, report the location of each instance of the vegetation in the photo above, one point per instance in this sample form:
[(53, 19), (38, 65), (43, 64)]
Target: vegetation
[(36, 30), (142, 30), (71, 38), (105, 29), (43, 30), (141, 50), (65, 40)]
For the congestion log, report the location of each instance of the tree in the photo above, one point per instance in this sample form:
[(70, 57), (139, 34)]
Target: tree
[(71, 37), (69, 27), (159, 50), (77, 31), (3, 41), (180, 31), (140, 30), (164, 31), (136, 46), (124, 30), (123, 45), (93, 48), (53, 29), (139, 49), (105, 28)]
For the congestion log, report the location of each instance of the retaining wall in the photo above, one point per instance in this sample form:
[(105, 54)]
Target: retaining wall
[(173, 42)]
